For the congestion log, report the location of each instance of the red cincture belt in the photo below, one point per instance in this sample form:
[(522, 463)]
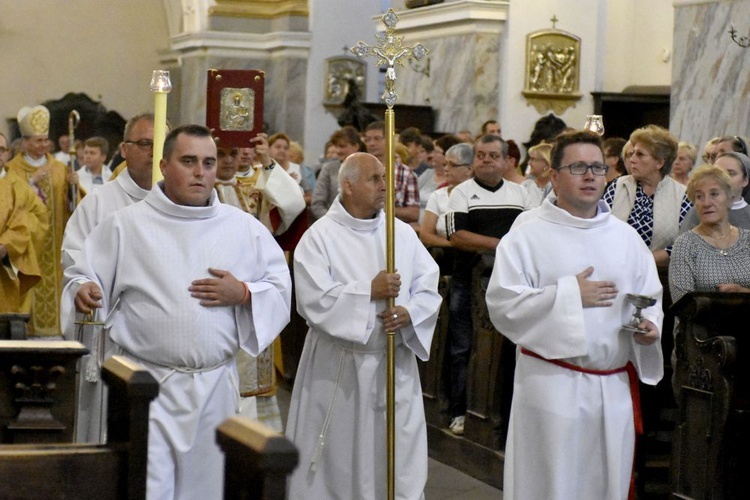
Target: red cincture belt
[(629, 368)]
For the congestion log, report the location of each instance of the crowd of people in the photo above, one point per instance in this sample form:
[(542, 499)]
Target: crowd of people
[(190, 278)]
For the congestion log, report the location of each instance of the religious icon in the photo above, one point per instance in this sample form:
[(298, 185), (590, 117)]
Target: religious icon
[(236, 108), (339, 72), (234, 105)]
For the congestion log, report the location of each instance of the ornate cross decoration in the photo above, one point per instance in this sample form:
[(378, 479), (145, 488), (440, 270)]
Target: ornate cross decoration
[(389, 50), (742, 41)]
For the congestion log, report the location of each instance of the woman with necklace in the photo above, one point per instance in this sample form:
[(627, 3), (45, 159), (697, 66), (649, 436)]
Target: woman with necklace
[(715, 255)]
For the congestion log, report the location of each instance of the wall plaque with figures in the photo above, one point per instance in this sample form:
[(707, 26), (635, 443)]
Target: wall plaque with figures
[(552, 70), (234, 105)]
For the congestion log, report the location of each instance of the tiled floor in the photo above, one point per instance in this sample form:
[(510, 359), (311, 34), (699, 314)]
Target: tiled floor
[(443, 482)]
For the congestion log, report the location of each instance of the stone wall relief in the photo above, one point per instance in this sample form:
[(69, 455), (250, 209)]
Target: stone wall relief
[(553, 62)]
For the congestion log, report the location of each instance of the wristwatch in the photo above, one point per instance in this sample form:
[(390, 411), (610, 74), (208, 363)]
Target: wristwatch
[(270, 167)]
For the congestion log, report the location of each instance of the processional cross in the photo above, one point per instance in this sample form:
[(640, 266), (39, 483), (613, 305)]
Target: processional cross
[(390, 50)]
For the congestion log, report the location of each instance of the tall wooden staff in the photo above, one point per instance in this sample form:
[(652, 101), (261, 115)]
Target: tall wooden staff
[(390, 50), (73, 119)]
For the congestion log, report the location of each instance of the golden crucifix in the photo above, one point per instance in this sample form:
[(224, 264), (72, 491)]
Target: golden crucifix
[(390, 50)]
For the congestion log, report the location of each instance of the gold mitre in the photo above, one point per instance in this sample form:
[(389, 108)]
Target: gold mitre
[(33, 121)]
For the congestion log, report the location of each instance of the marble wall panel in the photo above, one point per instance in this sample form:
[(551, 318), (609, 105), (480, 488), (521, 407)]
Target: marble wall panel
[(710, 73), (463, 84)]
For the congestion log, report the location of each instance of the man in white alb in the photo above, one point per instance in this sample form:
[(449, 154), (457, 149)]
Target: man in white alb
[(337, 411), (130, 186), (184, 282), (558, 290)]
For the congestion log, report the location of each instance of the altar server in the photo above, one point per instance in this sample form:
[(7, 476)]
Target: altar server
[(558, 290), (184, 281), (338, 407)]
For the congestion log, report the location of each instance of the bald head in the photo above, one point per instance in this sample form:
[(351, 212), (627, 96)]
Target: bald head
[(362, 185)]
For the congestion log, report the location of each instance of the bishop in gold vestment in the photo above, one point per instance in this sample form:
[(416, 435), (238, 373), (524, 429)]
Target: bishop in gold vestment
[(50, 179)]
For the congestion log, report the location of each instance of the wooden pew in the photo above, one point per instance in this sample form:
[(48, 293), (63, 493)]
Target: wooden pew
[(38, 390), (116, 469), (711, 442), (13, 326), (257, 460), (479, 452)]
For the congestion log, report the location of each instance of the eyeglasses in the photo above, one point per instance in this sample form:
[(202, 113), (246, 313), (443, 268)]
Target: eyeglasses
[(450, 164), (580, 168), (142, 143)]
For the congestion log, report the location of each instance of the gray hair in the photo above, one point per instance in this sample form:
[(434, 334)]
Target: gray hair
[(743, 159), (463, 153)]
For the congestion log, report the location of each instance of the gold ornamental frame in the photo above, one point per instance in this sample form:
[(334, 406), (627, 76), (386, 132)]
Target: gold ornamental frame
[(553, 66), (338, 73)]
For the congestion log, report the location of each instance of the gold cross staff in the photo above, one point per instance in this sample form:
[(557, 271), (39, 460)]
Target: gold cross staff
[(390, 50)]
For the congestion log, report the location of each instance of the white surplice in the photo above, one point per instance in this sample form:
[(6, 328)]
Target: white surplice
[(144, 258), (571, 434), (337, 411), (91, 418)]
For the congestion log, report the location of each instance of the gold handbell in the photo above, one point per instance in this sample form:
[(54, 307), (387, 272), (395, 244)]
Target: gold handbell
[(94, 365)]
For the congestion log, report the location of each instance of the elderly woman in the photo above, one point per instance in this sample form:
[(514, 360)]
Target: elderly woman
[(715, 255), (648, 199), (435, 177), (737, 166), (539, 184), (683, 164), (458, 166)]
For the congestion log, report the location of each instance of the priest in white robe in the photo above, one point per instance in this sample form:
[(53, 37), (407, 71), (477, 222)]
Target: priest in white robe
[(184, 282), (558, 291), (272, 189), (338, 407), (130, 186)]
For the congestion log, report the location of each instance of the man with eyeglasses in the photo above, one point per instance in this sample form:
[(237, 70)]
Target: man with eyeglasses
[(131, 184), (558, 291), (481, 210)]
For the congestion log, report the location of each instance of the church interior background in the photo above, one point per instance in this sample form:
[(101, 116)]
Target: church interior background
[(475, 71)]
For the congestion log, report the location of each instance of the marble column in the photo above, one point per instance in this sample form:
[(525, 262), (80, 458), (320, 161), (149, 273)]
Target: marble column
[(710, 93), (244, 34), (461, 79)]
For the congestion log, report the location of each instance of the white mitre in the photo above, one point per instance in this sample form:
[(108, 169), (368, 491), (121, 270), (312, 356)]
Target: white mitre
[(33, 121)]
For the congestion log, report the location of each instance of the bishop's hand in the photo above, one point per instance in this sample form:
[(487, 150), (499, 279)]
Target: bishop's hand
[(88, 297), (224, 290)]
